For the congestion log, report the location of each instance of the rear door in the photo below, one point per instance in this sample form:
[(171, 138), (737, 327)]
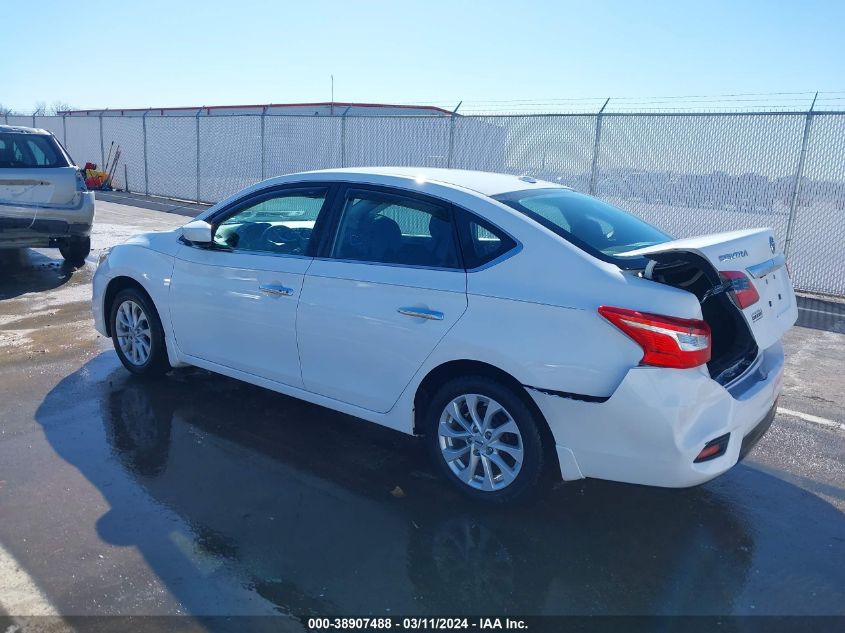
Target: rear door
[(34, 173), (754, 253), (389, 287)]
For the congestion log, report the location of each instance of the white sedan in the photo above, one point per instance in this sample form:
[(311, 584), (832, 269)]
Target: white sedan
[(526, 331)]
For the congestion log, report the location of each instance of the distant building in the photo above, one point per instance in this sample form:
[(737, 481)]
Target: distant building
[(327, 108)]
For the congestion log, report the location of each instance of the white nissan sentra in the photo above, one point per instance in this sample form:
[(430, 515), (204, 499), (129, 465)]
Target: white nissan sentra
[(526, 331)]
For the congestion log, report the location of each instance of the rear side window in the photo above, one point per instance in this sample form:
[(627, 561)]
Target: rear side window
[(481, 242), (394, 229), (594, 226), (30, 150)]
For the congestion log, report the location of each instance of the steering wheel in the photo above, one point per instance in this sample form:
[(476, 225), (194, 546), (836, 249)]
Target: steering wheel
[(283, 238)]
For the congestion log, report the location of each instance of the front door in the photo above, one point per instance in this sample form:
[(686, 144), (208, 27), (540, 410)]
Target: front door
[(234, 303), (390, 288)]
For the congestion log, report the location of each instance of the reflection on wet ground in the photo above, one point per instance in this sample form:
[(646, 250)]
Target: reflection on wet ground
[(294, 501)]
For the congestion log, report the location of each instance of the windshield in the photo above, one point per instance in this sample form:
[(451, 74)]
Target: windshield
[(594, 226)]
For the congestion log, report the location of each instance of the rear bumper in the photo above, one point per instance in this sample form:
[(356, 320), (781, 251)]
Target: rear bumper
[(38, 226), (658, 420)]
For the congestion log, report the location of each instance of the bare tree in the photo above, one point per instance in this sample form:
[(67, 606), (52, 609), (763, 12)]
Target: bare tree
[(59, 106), (41, 109)]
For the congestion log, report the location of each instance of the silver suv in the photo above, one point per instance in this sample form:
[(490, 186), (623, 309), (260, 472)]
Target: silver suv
[(43, 198)]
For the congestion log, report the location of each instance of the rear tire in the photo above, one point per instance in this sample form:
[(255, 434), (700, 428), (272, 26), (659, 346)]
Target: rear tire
[(137, 334), (75, 250), (485, 440)]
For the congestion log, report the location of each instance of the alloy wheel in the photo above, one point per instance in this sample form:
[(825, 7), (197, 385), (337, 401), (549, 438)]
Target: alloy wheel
[(480, 442), (132, 328)]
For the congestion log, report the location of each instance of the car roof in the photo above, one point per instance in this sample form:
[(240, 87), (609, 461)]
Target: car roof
[(483, 182), (19, 129)]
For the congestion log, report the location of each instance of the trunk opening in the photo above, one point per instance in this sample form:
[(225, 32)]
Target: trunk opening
[(734, 348)]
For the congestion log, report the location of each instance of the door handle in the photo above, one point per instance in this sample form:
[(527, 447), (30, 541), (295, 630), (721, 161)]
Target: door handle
[(283, 291), (422, 313)]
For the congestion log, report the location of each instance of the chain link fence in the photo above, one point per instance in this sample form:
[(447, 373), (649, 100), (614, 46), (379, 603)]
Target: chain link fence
[(688, 173)]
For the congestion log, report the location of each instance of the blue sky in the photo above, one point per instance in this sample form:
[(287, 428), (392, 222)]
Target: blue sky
[(168, 53)]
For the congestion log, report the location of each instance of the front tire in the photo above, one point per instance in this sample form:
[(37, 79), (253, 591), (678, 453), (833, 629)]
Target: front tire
[(137, 334), (485, 439), (75, 250)]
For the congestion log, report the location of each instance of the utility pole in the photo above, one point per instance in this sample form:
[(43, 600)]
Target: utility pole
[(331, 107)]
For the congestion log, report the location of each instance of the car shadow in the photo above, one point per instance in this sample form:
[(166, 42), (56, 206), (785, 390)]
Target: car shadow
[(321, 514), (25, 270)]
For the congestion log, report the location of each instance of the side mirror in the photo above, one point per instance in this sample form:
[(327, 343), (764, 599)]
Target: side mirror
[(197, 232)]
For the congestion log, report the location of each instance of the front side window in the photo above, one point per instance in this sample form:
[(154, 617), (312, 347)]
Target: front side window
[(393, 229), (280, 223), (30, 150), (594, 226)]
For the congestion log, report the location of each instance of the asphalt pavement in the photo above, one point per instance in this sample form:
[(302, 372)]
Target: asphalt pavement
[(197, 494)]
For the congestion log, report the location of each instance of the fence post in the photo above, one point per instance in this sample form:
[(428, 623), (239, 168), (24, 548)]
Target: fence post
[(343, 137), (33, 119), (102, 147), (64, 130), (799, 176), (263, 149), (596, 147), (198, 154), (452, 135), (146, 171)]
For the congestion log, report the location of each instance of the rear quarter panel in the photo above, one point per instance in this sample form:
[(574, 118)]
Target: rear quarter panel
[(534, 316)]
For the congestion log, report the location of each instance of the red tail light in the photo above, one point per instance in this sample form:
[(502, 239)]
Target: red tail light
[(746, 293), (666, 341)]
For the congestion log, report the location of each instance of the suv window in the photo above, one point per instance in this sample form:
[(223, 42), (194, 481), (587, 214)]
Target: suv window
[(279, 222), (481, 242), (594, 226), (25, 150), (395, 229)]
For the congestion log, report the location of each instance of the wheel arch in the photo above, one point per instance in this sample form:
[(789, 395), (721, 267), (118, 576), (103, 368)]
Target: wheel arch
[(445, 372), (114, 286)]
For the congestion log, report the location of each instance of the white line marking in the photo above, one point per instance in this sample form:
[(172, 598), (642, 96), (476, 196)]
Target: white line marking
[(822, 311), (812, 418), (20, 595)]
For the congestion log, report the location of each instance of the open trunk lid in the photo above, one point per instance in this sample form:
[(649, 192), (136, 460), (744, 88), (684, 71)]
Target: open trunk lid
[(752, 252)]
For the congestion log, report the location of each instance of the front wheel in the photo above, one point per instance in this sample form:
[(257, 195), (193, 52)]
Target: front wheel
[(75, 250), (485, 439), (137, 334)]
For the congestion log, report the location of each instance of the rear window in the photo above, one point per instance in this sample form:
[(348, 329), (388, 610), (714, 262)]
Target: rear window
[(594, 226), (23, 150)]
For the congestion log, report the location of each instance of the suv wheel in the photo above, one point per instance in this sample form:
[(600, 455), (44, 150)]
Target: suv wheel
[(75, 250), (485, 440), (137, 334)]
